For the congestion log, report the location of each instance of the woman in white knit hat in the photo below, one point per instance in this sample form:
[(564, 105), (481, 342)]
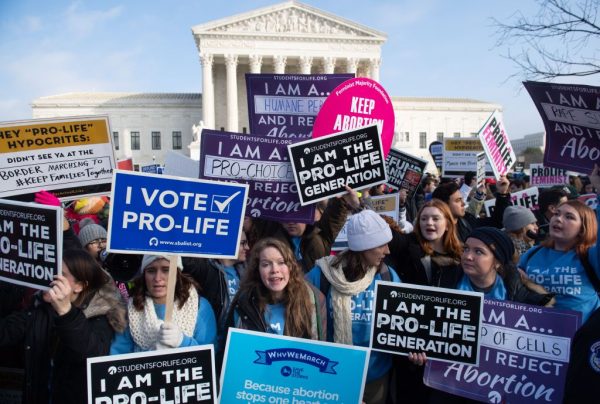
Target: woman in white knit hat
[(351, 277), (193, 321)]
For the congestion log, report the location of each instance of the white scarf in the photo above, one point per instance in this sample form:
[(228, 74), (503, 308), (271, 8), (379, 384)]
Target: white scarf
[(145, 324), (341, 295)]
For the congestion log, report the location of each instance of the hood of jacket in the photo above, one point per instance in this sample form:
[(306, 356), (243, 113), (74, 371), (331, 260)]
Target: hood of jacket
[(108, 302)]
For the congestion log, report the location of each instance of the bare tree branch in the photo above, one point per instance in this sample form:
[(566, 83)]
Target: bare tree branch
[(562, 39)]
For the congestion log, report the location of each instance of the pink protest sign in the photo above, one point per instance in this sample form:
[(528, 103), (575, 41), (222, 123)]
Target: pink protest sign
[(356, 103)]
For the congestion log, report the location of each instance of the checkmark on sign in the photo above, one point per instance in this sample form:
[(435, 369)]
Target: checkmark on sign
[(220, 205)]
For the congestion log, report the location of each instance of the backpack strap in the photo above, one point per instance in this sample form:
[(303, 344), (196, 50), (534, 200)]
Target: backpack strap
[(590, 272)]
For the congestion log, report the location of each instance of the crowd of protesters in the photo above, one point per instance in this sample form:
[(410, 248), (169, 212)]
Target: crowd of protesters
[(286, 280)]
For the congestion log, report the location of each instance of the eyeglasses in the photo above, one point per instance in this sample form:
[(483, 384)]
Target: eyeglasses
[(98, 242)]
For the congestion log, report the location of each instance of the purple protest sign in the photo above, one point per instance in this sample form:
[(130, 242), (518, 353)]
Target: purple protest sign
[(572, 123), (284, 106), (524, 356), (261, 162)]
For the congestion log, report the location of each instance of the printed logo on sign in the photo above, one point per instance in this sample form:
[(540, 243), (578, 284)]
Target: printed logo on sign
[(112, 370), (325, 365), (220, 203), (595, 356)]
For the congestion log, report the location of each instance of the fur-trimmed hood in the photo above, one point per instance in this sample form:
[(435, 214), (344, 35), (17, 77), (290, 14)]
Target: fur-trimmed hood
[(108, 302)]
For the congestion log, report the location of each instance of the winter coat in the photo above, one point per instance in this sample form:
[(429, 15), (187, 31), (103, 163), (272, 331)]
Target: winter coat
[(245, 305), (65, 341), (466, 224)]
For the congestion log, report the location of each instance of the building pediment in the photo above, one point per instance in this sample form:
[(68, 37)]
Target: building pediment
[(288, 19)]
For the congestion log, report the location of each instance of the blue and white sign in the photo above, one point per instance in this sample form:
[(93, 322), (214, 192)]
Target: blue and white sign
[(152, 168), (171, 215), (268, 368)]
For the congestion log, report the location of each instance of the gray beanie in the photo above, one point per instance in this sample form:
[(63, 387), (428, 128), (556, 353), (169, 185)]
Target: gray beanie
[(367, 230), (517, 217), (90, 232)]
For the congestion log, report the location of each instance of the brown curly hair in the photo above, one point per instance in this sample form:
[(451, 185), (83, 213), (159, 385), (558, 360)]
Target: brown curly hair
[(182, 290), (297, 301)]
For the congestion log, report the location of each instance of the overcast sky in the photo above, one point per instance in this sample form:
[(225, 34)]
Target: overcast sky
[(435, 48)]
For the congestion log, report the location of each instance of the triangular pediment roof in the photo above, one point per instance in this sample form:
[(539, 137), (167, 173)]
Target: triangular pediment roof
[(289, 19)]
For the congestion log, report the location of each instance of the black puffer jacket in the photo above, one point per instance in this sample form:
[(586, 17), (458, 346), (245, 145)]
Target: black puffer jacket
[(66, 341)]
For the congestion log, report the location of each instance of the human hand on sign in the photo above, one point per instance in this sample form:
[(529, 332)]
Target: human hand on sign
[(418, 359), (59, 295), (595, 178), (402, 195), (351, 198), (170, 335), (503, 185)]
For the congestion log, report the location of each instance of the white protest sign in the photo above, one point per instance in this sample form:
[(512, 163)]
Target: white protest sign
[(496, 144), (528, 198)]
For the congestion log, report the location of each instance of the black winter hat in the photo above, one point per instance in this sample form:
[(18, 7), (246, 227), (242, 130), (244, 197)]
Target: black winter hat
[(503, 247)]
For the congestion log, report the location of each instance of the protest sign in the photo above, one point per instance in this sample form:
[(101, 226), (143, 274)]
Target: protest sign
[(590, 200), (480, 168), (178, 165), (263, 164), (125, 164), (524, 356), (72, 157), (547, 176), (180, 375), (465, 191), (436, 149), (442, 323), (153, 214), (496, 145), (572, 123), (388, 205), (152, 168), (404, 171), (324, 166), (460, 156), (354, 104), (267, 368), (30, 243), (528, 198), (284, 106)]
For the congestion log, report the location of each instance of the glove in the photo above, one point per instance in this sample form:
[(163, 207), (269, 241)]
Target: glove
[(170, 335), (46, 198)]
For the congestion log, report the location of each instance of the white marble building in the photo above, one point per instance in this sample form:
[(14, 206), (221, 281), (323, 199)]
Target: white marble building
[(533, 140), (289, 37)]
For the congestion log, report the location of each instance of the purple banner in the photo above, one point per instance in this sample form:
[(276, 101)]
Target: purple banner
[(285, 105), (524, 356), (261, 162), (572, 122)]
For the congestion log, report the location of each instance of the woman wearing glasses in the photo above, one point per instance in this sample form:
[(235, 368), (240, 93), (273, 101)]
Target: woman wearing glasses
[(93, 238)]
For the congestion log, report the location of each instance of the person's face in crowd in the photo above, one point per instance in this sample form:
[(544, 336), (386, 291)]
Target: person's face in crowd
[(429, 188), (565, 225), (533, 227), (274, 272), (76, 286), (156, 276), (477, 260), (433, 224), (589, 189), (94, 247), (294, 229), (514, 187), (457, 204), (374, 256), (244, 247)]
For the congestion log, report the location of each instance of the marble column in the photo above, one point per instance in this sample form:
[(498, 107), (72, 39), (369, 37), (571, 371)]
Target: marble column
[(279, 62), (374, 68), (208, 97), (255, 64), (329, 64), (305, 64), (231, 62), (352, 65)]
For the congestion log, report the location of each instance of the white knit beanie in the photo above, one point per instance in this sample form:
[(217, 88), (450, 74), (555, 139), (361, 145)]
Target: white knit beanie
[(149, 259), (367, 230)]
